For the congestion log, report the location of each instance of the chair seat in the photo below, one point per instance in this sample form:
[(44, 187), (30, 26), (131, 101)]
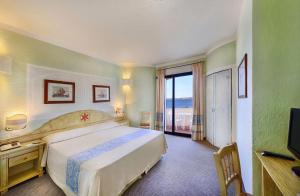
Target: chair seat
[(144, 124), (145, 127)]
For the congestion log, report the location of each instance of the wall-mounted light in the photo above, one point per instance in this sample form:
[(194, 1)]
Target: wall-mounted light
[(126, 82), (5, 64), (16, 122), (126, 86)]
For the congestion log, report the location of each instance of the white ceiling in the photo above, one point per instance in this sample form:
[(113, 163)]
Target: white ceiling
[(138, 32)]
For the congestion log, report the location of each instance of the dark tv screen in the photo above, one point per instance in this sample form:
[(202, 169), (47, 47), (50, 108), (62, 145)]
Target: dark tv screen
[(294, 132)]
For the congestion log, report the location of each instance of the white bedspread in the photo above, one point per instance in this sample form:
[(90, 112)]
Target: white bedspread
[(109, 173)]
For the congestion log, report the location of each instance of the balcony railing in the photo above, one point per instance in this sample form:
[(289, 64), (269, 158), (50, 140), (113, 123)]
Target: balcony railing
[(183, 120)]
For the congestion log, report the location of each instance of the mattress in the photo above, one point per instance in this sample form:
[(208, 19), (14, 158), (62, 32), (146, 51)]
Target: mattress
[(107, 172)]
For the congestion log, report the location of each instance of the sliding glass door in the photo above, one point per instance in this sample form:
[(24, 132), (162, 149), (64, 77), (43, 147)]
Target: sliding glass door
[(179, 104)]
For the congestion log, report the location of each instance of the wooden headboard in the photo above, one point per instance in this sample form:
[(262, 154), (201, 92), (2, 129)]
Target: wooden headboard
[(68, 121)]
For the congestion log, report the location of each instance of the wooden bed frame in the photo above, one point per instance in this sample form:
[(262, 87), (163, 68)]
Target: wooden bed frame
[(64, 122)]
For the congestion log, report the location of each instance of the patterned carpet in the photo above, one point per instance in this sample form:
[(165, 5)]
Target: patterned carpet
[(187, 169)]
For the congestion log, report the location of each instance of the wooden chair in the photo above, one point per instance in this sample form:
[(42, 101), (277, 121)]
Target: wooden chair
[(228, 168), (145, 122)]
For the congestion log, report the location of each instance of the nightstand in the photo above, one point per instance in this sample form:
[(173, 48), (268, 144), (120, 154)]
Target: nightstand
[(122, 120), (20, 164)]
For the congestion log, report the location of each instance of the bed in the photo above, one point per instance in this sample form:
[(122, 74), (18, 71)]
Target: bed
[(98, 157)]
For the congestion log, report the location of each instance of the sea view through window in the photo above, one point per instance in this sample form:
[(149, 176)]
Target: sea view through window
[(179, 90)]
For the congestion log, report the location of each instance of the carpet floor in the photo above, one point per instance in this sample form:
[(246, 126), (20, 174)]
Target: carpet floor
[(187, 169)]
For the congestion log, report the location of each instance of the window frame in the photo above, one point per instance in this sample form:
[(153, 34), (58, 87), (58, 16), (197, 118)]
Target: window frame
[(173, 76)]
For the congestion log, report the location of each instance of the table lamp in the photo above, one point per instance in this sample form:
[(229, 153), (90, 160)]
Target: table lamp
[(15, 122)]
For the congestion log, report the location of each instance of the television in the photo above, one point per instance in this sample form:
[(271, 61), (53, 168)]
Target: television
[(294, 132), (294, 136)]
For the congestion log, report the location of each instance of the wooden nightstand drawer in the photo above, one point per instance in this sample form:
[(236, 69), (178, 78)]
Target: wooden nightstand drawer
[(23, 158), (20, 164)]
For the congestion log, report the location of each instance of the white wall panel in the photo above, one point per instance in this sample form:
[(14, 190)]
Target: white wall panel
[(210, 104), (244, 106), (223, 108), (177, 70), (83, 92)]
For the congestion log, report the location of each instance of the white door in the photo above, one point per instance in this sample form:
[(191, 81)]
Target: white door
[(218, 108), (222, 122), (209, 108)]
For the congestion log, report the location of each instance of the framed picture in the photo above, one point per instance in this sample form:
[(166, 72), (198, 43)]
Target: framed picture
[(242, 78), (56, 92), (101, 93)]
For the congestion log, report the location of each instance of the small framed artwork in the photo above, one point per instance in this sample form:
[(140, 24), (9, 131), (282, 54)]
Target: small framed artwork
[(57, 92), (101, 93), (242, 78)]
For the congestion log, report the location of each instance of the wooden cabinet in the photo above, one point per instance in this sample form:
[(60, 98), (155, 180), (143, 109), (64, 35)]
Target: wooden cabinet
[(20, 164), (277, 177), (22, 158)]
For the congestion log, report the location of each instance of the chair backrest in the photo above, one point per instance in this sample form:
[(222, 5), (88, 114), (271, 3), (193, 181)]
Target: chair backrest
[(228, 168), (145, 119)]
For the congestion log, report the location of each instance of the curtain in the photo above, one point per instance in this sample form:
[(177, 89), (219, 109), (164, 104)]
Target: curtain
[(197, 126), (160, 100)]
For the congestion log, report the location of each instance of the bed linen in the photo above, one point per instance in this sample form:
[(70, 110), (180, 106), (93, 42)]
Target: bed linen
[(120, 154)]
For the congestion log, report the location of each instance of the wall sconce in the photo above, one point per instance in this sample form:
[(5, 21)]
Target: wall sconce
[(126, 83), (5, 64), (16, 122)]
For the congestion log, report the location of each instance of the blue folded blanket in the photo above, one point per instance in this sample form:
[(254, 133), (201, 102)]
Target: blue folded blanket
[(74, 162)]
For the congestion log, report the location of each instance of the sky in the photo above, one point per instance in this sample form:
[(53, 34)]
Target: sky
[(183, 87)]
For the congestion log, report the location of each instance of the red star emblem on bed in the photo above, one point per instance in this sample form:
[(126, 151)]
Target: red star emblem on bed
[(84, 117)]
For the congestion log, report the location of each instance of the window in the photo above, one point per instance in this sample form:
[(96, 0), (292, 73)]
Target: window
[(179, 104)]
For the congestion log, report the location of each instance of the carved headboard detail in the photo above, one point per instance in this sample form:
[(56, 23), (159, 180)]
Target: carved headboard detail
[(68, 121), (73, 120)]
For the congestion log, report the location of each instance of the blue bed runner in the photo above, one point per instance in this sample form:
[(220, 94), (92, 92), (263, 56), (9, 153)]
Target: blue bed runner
[(74, 162)]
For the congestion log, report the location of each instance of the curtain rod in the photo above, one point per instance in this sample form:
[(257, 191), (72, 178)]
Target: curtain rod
[(164, 68)]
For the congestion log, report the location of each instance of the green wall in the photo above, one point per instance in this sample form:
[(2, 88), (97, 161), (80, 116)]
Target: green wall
[(25, 50), (276, 75), (141, 95), (220, 57)]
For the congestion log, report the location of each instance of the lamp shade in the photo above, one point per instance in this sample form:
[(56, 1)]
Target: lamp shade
[(15, 122), (126, 82)]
